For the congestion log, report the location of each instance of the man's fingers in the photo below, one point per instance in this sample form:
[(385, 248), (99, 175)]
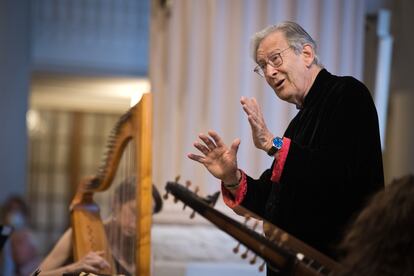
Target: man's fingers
[(207, 141), (246, 109), (254, 102), (251, 108), (196, 157), (201, 148), (253, 123), (217, 139)]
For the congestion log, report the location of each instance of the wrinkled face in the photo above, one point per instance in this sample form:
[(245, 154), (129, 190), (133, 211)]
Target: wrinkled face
[(290, 79), (126, 217)]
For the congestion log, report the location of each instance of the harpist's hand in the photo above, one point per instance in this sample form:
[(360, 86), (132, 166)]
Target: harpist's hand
[(92, 262), (262, 137), (219, 160)]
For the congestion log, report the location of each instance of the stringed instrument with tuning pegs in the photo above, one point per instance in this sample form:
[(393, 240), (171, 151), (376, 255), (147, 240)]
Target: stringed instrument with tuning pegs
[(280, 251)]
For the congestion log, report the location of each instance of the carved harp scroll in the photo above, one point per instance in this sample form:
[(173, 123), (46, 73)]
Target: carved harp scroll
[(89, 234)]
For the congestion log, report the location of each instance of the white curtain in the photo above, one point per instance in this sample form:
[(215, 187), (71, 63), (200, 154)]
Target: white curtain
[(200, 66)]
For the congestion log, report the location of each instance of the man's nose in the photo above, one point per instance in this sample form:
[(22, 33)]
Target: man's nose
[(271, 71)]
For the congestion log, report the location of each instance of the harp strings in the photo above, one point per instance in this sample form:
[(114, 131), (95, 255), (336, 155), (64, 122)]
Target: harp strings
[(118, 208)]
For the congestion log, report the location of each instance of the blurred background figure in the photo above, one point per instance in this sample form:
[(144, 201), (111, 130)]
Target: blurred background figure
[(15, 212), (24, 252), (381, 240), (20, 255)]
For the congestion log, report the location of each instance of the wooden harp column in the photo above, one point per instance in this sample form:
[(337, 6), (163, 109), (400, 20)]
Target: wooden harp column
[(88, 228)]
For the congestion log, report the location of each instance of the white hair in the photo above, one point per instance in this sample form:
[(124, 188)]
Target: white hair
[(295, 35)]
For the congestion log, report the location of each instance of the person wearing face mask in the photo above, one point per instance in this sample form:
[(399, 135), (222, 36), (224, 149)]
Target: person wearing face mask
[(20, 255), (15, 212), (326, 163)]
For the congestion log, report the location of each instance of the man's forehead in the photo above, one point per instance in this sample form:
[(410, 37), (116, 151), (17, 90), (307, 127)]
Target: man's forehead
[(275, 41)]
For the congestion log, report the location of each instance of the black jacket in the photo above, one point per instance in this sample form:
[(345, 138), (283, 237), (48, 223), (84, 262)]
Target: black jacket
[(333, 165)]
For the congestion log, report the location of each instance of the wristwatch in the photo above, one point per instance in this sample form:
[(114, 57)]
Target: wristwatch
[(277, 144)]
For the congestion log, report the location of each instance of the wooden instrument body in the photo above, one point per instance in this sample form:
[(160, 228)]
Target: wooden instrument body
[(278, 248)]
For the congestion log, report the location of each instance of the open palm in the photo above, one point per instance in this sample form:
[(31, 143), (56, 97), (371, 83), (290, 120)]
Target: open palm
[(220, 160)]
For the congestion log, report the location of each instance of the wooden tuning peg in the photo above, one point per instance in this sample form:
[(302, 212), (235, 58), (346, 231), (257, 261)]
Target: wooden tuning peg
[(188, 184), (196, 190), (192, 215), (283, 239), (177, 178), (261, 267), (245, 254), (256, 223), (175, 200), (246, 219), (273, 235), (165, 196), (253, 260), (236, 249), (184, 206)]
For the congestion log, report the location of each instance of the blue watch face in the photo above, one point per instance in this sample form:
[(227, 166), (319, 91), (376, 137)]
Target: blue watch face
[(278, 142)]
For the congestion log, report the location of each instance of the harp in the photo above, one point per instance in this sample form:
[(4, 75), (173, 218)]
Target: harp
[(132, 135)]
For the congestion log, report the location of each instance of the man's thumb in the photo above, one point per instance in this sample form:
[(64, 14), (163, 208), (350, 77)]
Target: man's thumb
[(235, 145)]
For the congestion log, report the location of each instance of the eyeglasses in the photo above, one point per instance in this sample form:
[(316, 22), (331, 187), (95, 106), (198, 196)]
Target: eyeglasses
[(275, 60)]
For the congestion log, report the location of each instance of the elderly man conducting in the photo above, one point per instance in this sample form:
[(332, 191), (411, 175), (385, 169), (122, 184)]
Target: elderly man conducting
[(327, 162)]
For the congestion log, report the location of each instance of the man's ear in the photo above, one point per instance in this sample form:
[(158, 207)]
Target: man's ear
[(308, 54)]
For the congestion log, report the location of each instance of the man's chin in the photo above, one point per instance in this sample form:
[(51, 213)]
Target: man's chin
[(285, 97), (280, 94)]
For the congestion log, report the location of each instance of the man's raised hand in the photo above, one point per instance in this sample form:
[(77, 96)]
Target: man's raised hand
[(220, 160)]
